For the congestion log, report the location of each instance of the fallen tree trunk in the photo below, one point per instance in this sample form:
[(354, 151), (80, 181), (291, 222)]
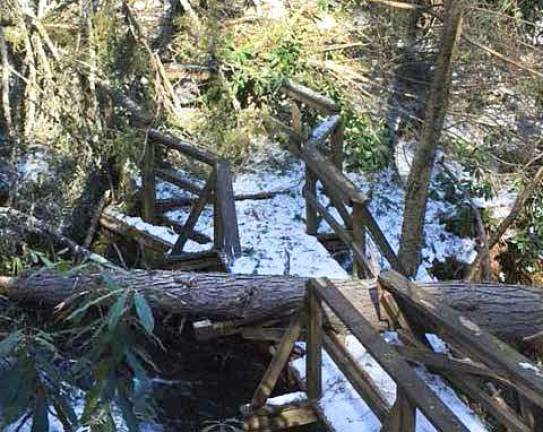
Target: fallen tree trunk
[(509, 311)]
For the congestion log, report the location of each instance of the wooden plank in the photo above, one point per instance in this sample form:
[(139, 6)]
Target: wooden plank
[(399, 370), (363, 296), (311, 217), (224, 192), (402, 417), (323, 131), (331, 177), (149, 183), (500, 411), (173, 177), (164, 205), (309, 97), (196, 236), (358, 378), (281, 419), (183, 147), (109, 219), (359, 239), (380, 240), (442, 362), (339, 230), (477, 343), (314, 347), (205, 261), (278, 362), (195, 213), (336, 145)]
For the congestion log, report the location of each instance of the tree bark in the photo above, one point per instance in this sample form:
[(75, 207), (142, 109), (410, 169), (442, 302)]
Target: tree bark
[(6, 108), (421, 170), (512, 312)]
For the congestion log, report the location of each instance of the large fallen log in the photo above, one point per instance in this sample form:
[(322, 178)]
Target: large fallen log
[(512, 312)]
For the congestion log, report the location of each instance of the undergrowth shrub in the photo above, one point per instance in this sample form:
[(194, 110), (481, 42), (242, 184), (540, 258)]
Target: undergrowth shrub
[(97, 346)]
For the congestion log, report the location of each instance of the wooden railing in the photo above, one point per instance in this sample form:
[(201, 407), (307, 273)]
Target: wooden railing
[(484, 368), (411, 391), (217, 190), (324, 164)]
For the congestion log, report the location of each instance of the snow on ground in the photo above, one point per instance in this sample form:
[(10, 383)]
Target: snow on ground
[(273, 234), (78, 405), (343, 408)]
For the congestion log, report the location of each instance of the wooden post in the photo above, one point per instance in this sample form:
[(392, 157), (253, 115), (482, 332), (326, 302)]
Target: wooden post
[(218, 227), (149, 182), (311, 216), (402, 417), (336, 146), (359, 238), (226, 221), (278, 362), (314, 346)]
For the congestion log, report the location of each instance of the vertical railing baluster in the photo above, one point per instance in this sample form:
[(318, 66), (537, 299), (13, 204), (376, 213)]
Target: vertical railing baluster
[(314, 345), (336, 146), (149, 182), (359, 238), (218, 226)]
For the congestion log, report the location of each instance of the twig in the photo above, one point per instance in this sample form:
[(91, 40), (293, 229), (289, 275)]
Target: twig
[(190, 11), (104, 201), (507, 222), (25, 223), (483, 237)]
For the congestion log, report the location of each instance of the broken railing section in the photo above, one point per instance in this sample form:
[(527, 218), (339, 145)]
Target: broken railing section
[(217, 190), (324, 164), (490, 373), (411, 394)]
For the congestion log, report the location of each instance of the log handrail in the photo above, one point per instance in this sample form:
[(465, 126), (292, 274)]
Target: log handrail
[(476, 342), (412, 392), (337, 186), (497, 362)]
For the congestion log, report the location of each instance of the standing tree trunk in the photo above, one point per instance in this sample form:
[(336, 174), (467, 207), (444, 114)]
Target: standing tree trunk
[(421, 170), (5, 82)]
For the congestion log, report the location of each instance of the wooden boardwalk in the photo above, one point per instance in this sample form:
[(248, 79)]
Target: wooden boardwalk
[(488, 372)]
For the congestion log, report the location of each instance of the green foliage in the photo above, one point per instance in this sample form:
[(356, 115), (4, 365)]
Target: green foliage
[(109, 329), (367, 143), (113, 340), (525, 248), (33, 380)]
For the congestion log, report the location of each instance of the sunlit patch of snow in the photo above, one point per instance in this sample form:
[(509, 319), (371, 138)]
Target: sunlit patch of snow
[(343, 408), (326, 23), (272, 231), (272, 9), (387, 205), (531, 367), (288, 398), (499, 205)]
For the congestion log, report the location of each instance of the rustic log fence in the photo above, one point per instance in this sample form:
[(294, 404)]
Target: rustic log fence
[(324, 164), (217, 190), (506, 387)]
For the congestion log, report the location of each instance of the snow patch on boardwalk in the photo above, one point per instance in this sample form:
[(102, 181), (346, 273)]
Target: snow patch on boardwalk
[(272, 231), (345, 410)]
